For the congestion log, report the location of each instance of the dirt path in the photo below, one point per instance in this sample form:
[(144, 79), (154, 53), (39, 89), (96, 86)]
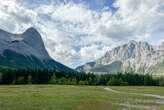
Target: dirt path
[(141, 94), (127, 106)]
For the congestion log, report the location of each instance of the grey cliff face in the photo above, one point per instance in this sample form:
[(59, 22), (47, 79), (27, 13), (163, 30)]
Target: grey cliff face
[(133, 56)]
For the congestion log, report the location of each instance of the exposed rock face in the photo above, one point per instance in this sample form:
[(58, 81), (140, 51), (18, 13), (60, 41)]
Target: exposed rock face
[(26, 51), (133, 56)]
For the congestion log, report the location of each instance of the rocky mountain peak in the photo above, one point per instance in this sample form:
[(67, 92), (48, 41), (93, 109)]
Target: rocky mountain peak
[(31, 30), (133, 56), (32, 33), (132, 42), (26, 51), (132, 49), (32, 38)]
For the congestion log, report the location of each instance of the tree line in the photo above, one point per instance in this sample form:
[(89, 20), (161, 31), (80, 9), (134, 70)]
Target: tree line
[(119, 79), (12, 76)]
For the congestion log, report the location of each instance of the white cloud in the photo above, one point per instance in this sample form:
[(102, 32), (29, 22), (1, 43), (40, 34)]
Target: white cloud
[(90, 53), (74, 33), (143, 16), (14, 17)]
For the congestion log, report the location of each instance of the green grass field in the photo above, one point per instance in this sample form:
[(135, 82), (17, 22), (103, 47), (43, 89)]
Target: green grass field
[(55, 97)]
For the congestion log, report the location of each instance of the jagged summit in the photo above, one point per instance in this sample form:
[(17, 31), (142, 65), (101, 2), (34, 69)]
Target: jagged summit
[(132, 56), (32, 38), (26, 51), (6, 36)]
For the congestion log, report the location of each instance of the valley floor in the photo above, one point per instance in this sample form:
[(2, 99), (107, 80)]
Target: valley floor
[(62, 97)]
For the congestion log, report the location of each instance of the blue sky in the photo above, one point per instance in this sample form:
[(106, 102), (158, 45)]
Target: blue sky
[(79, 31), (91, 4), (94, 4)]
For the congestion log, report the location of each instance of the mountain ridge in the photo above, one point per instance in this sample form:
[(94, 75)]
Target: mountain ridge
[(26, 51), (135, 56)]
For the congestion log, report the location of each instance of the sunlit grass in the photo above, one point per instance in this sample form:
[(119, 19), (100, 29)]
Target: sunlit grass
[(56, 97)]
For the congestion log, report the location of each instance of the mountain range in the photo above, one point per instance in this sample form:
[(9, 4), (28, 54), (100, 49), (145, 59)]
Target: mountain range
[(26, 51), (140, 57)]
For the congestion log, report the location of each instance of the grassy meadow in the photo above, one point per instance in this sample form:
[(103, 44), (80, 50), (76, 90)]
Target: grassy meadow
[(63, 97)]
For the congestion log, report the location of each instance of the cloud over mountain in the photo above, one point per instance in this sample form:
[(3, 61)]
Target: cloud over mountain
[(74, 32)]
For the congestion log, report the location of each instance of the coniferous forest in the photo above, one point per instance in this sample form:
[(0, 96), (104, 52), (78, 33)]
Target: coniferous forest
[(13, 76)]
